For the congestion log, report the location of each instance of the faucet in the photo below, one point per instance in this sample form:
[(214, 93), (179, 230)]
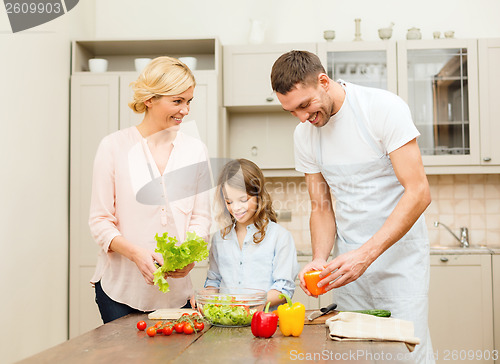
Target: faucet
[(464, 234)]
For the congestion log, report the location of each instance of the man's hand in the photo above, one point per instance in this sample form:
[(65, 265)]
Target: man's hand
[(344, 269), (316, 264)]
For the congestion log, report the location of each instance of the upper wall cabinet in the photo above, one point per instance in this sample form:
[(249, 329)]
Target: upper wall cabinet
[(247, 71), (371, 64), (489, 96), (438, 80)]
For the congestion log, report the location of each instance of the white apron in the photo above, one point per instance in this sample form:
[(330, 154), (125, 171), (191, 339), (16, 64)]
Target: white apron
[(365, 194)]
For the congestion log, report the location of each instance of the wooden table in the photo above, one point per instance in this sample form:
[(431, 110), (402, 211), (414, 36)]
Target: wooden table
[(120, 342)]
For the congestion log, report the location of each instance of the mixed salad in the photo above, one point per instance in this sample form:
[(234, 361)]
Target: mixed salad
[(223, 311)]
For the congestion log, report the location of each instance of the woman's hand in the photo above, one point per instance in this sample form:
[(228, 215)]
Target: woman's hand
[(144, 260), (181, 272), (316, 264)]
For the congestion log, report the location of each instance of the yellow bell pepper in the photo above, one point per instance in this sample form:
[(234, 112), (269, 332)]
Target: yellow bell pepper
[(291, 317)]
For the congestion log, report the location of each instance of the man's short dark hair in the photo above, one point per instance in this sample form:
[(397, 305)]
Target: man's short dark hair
[(295, 67)]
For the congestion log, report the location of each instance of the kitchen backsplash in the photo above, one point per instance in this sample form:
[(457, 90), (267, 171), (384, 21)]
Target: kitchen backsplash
[(472, 201)]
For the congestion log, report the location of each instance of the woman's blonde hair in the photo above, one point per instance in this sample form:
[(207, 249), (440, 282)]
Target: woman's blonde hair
[(244, 175), (162, 76)]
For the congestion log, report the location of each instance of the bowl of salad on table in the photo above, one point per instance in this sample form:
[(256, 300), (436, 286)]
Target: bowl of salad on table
[(230, 306)]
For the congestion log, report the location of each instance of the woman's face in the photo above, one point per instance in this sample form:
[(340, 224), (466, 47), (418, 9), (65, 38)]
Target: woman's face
[(240, 205), (168, 111)]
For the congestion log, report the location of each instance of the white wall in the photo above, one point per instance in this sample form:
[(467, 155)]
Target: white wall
[(34, 127), (34, 95), (293, 20)]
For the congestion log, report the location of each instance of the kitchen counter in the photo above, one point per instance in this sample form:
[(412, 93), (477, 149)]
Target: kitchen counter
[(437, 249), (120, 341)]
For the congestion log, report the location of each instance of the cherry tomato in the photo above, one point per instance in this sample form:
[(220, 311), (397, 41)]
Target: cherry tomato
[(188, 329), (141, 325), (179, 327), (158, 324), (199, 326), (151, 331), (185, 314), (168, 330)]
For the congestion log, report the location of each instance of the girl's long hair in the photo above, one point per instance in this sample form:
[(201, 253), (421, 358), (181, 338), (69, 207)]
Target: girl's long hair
[(244, 175)]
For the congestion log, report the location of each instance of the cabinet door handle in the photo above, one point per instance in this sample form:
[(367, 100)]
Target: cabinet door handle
[(487, 159), (269, 99), (443, 259), (255, 151)]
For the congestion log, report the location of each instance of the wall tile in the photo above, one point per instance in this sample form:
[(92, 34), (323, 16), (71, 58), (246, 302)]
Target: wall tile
[(477, 206), (493, 206), (445, 179), (461, 191), (477, 191), (457, 200), (446, 191), (477, 222), (493, 221), (492, 191)]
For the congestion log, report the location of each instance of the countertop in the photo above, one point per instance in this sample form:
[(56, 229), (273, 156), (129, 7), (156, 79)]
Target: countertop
[(120, 342), (437, 250)]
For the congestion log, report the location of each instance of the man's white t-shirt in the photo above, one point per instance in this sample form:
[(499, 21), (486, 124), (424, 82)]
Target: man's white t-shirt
[(386, 118)]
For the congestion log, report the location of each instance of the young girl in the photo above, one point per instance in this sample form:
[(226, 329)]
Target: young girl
[(251, 250)]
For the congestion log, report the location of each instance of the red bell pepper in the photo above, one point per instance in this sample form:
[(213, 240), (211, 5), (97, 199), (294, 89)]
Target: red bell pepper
[(264, 323)]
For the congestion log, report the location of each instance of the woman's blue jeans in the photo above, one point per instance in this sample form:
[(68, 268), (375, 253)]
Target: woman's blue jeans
[(111, 310)]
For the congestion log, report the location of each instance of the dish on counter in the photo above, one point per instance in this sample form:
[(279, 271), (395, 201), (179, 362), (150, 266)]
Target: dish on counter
[(230, 306)]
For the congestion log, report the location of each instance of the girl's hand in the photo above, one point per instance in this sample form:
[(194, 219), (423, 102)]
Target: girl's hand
[(144, 260), (316, 264), (181, 272)]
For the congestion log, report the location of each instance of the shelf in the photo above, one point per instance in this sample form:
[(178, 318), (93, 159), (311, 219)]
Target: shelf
[(442, 123), (121, 53)]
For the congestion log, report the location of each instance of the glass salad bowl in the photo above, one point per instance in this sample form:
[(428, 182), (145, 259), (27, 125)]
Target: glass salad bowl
[(230, 307)]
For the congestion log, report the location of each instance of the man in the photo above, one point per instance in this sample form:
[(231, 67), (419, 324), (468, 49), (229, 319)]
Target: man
[(360, 144)]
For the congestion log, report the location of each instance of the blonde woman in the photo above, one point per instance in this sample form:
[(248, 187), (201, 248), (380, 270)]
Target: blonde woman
[(144, 183)]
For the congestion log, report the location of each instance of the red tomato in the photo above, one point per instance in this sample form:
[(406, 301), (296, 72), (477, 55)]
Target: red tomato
[(158, 324), (199, 326), (141, 325), (179, 327), (188, 329), (167, 330), (151, 331), (185, 314)]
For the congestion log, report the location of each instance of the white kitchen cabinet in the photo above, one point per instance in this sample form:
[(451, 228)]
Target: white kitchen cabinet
[(99, 106), (256, 127), (460, 306), (438, 80), (489, 107), (94, 114), (495, 262), (371, 64), (247, 72)]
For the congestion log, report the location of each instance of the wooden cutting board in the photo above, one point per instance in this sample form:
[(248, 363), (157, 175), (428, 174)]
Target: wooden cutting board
[(169, 313), (320, 320)]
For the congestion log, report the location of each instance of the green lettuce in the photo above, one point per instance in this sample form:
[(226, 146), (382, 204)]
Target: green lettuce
[(193, 249), (228, 315)]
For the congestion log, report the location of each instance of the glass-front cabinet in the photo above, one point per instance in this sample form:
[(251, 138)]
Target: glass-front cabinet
[(371, 64), (438, 80)]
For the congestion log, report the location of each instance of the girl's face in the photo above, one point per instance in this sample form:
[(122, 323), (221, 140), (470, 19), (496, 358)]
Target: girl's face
[(240, 205), (168, 111)]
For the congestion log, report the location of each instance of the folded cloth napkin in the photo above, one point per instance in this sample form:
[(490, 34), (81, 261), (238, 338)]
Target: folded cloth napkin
[(352, 326)]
